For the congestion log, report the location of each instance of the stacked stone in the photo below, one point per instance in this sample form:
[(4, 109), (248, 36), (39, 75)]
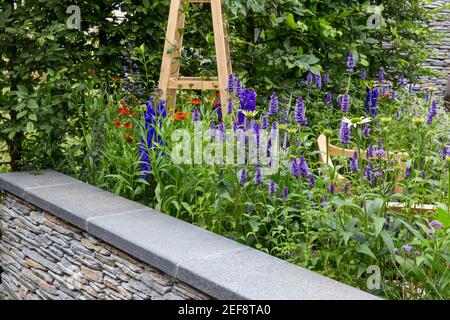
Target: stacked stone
[(440, 60), (44, 257)]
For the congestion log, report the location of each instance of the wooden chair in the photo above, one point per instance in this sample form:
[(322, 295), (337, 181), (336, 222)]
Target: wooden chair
[(170, 80)]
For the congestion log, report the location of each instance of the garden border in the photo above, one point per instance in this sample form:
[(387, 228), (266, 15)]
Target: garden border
[(211, 263), (335, 151)]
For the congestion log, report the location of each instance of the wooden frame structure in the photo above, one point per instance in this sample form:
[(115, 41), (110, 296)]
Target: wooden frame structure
[(170, 80), (334, 151)]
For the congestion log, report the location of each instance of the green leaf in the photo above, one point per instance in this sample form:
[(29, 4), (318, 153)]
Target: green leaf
[(30, 127), (379, 223), (32, 117), (387, 241), (363, 248), (32, 104)]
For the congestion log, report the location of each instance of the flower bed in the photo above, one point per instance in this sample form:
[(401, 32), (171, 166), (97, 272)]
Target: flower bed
[(255, 175)]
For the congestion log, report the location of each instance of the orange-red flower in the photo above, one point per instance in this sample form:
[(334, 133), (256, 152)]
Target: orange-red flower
[(216, 103), (125, 111), (114, 78), (180, 116), (386, 96), (196, 102), (217, 95), (128, 125), (117, 123)]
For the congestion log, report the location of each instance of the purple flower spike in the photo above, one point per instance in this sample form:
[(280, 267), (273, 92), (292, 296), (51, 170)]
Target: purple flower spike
[(299, 112), (312, 181), (285, 193), (368, 171), (242, 177), (295, 171), (238, 86), (445, 152), (432, 113), (345, 133), (196, 115), (329, 98), (366, 130), (258, 176), (265, 123), (380, 152), (381, 74), (351, 62), (332, 188), (326, 79), (370, 153), (303, 167), (345, 102), (363, 75), (354, 162), (407, 173), (309, 78), (231, 81), (250, 208), (319, 82), (272, 188), (230, 106), (273, 106)]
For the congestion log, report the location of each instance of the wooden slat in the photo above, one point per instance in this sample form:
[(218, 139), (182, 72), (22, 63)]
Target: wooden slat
[(421, 208), (194, 84)]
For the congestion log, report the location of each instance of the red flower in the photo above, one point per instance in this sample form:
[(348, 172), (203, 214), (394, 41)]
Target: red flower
[(124, 111), (129, 137), (217, 95), (216, 103), (128, 125), (118, 124), (196, 102), (180, 116)]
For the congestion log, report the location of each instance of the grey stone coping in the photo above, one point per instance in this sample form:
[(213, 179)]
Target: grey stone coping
[(211, 263)]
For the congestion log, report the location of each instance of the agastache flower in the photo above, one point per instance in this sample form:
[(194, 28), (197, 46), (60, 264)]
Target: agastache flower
[(295, 170), (326, 79), (309, 78), (258, 176), (363, 75), (231, 81), (381, 74), (351, 62), (345, 102), (242, 177), (407, 173), (319, 81), (366, 130), (432, 112), (354, 162), (368, 171), (285, 193), (272, 188), (196, 115), (332, 189), (230, 106), (238, 86), (345, 133), (250, 208), (312, 181), (265, 123), (299, 112), (303, 167), (273, 106), (329, 98)]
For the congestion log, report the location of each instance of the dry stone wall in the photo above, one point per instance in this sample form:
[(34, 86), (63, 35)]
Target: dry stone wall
[(44, 257)]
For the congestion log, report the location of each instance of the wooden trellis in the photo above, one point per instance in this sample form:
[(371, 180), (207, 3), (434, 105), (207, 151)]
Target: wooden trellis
[(401, 158), (170, 79)]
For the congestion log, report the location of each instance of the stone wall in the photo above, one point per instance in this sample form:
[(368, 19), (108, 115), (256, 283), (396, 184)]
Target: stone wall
[(44, 257), (440, 60)]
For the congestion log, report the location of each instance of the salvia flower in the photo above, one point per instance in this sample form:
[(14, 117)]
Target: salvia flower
[(319, 81), (231, 82), (196, 115), (332, 188), (238, 86), (299, 112), (312, 181), (345, 102), (381, 74), (242, 177), (303, 167), (351, 62), (363, 75), (272, 188), (295, 170), (347, 187), (366, 130), (388, 222), (285, 193), (345, 133), (324, 202), (422, 174), (273, 106), (230, 106), (250, 208), (326, 79), (407, 173), (329, 98), (309, 78), (354, 162), (368, 171), (258, 176), (410, 88), (370, 152), (265, 123), (445, 152), (432, 112)]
